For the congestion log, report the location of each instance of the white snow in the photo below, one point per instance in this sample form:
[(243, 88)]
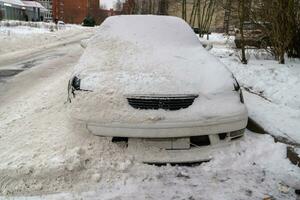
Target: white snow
[(34, 4), (121, 59), (121, 48), (280, 84), (21, 30), (14, 2), (18, 36), (44, 155)]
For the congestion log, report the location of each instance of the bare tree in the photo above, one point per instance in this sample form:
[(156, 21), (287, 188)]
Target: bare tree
[(280, 15), (294, 47), (184, 10), (163, 7), (118, 5), (203, 11), (241, 14), (149, 6), (227, 15)]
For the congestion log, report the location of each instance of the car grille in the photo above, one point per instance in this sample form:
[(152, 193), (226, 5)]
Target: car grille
[(166, 102)]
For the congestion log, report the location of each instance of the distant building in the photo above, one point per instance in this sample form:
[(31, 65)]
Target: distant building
[(21, 10), (48, 5), (75, 11), (12, 9), (34, 11), (70, 11)]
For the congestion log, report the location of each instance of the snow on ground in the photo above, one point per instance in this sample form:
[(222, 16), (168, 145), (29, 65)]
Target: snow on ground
[(44, 155), (16, 36), (279, 84), (237, 172)]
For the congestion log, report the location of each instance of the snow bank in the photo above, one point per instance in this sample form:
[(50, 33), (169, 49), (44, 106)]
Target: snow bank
[(17, 36), (279, 84), (145, 49), (253, 168), (15, 23)]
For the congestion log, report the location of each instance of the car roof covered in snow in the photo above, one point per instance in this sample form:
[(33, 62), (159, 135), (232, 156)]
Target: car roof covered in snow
[(150, 29)]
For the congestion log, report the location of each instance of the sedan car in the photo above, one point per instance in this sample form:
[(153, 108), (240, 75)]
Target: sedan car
[(148, 80)]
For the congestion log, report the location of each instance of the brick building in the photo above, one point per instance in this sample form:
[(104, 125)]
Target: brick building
[(70, 11), (74, 11)]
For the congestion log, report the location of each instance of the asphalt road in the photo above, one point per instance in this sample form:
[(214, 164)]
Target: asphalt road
[(25, 72)]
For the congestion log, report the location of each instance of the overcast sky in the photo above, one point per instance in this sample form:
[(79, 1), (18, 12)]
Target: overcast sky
[(108, 3)]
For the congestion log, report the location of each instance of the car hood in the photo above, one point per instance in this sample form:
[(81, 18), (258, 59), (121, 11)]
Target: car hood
[(150, 55), (142, 69)]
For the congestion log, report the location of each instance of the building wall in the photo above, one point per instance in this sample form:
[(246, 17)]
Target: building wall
[(13, 12), (70, 11), (48, 5)]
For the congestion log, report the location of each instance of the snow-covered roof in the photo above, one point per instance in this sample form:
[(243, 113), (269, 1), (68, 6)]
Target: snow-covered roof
[(30, 4), (13, 2), (34, 4)]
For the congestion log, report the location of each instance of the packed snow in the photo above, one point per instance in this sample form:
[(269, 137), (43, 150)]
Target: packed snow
[(121, 61), (45, 155), (17, 36), (275, 103)]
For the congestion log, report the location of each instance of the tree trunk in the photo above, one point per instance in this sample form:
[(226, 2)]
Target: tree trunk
[(281, 58), (184, 10), (241, 12), (227, 16)]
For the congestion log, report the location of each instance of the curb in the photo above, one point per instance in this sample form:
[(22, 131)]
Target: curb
[(291, 154)]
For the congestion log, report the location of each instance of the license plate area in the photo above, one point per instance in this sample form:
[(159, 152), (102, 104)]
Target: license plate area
[(168, 143)]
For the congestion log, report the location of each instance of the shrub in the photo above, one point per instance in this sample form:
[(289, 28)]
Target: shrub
[(89, 21)]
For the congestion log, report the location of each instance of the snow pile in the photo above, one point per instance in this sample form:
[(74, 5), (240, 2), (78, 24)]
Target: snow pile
[(217, 39), (17, 37), (279, 85), (45, 155), (21, 30), (253, 168), (132, 56), (121, 61), (15, 23)]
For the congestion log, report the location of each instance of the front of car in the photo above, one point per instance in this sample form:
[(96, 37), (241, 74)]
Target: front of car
[(144, 83)]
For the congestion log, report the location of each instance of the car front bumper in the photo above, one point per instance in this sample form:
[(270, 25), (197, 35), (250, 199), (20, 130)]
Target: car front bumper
[(144, 153), (171, 129)]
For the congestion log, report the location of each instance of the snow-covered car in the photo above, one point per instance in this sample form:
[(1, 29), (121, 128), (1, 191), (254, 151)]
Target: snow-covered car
[(149, 77), (61, 25)]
